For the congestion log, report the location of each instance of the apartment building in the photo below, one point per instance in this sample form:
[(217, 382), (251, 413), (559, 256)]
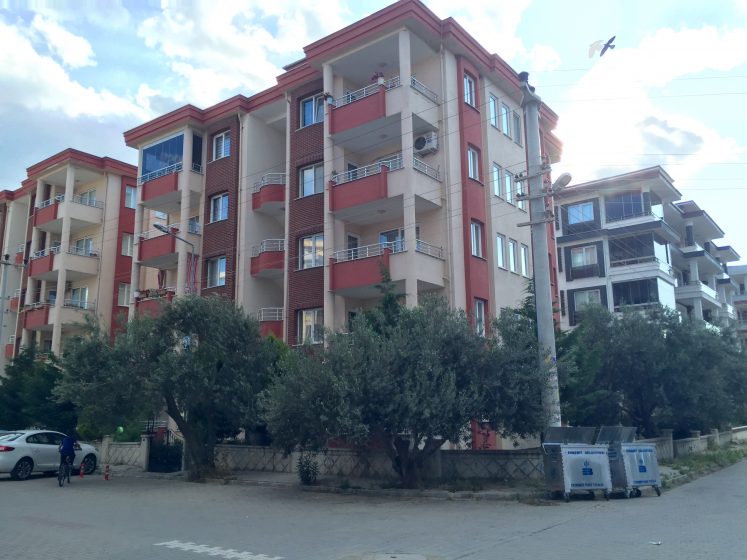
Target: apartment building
[(738, 275), (67, 240), (393, 143), (629, 240)]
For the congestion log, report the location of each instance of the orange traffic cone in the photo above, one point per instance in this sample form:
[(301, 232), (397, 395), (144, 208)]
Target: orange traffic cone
[(80, 470), (106, 472)]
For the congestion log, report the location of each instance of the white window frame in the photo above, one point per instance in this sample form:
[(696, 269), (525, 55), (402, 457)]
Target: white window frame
[(479, 316), (470, 97), (130, 200), (222, 145), (317, 102), (318, 173), (83, 246), (588, 254), (517, 128), (493, 110), (508, 186), (88, 197), (310, 327), (123, 295), (524, 260), (506, 119), (128, 244), (577, 306), (577, 213), (496, 180), (79, 297), (500, 250), (473, 163), (219, 209), (512, 256), (476, 238), (311, 254), (216, 272)]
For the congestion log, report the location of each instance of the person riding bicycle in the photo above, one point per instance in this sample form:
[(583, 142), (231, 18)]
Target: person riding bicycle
[(67, 449)]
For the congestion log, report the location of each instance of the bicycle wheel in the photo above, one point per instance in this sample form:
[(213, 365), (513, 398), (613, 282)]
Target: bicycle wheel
[(61, 475)]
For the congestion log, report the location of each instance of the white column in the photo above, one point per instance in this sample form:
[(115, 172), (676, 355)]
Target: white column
[(182, 249), (698, 308), (694, 274), (61, 260), (135, 272), (334, 305)]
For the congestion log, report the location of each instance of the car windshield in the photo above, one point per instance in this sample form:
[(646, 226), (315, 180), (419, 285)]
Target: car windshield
[(10, 436)]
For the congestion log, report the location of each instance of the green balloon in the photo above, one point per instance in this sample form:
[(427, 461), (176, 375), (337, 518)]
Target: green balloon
[(120, 429)]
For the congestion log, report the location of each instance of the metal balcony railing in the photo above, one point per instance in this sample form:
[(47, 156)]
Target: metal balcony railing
[(375, 250), (364, 92), (168, 170), (192, 227), (84, 252), (635, 260), (269, 179), (270, 314), (44, 252), (420, 165), (79, 304), (392, 164), (420, 87), (87, 202), (428, 249), (268, 245)]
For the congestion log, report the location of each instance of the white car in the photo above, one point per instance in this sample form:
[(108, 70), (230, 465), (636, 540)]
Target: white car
[(23, 452)]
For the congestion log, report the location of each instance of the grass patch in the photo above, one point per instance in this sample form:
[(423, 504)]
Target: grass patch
[(703, 463)]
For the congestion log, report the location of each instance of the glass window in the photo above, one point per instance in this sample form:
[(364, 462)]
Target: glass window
[(127, 244), (394, 239), (88, 197), (586, 297), (79, 298), (505, 119), (579, 213), (508, 186), (311, 326), (160, 215), (524, 260), (476, 229), (123, 296), (216, 272), (583, 256), (83, 246), (473, 163), (512, 255), (638, 292), (222, 145), (480, 317), (219, 208), (517, 128), (311, 250), (469, 90), (196, 153), (500, 250), (312, 110), (130, 197), (493, 111), (164, 154), (496, 179), (624, 205), (311, 180)]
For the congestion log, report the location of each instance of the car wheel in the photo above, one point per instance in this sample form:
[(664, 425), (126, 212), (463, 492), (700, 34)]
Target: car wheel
[(88, 464), (22, 470)]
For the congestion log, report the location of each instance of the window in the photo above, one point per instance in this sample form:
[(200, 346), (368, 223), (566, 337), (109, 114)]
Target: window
[(311, 180), (480, 317), (88, 197), (508, 182), (583, 256), (130, 197), (493, 111), (216, 272), (496, 179), (525, 260), (160, 215), (83, 246), (638, 292), (312, 110), (395, 238), (500, 250), (512, 255), (127, 244), (624, 205), (163, 154), (517, 128), (123, 296), (505, 119), (79, 298), (311, 250), (586, 297), (476, 229), (579, 213), (222, 145), (311, 326), (473, 163), (219, 208), (469, 90)]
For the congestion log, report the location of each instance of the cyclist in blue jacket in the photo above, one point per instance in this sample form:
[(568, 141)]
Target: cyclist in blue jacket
[(67, 449)]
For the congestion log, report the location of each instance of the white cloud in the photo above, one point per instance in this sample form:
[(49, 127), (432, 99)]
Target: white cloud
[(108, 15), (74, 51)]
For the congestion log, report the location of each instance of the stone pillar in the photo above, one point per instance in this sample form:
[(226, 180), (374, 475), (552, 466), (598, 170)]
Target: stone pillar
[(334, 305), (694, 274), (145, 441), (698, 308), (182, 249), (135, 272), (716, 439), (61, 260), (105, 444)]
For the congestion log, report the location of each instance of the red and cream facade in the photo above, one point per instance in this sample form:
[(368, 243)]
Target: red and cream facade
[(392, 142)]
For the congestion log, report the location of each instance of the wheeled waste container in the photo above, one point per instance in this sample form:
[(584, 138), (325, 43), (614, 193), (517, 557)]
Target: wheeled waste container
[(574, 464), (633, 465)]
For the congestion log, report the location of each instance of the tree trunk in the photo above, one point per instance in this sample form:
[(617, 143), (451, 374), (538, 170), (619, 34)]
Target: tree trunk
[(200, 446)]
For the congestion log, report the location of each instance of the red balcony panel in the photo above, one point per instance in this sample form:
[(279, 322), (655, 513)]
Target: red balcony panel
[(160, 186), (274, 328), (269, 260), (36, 318), (156, 247), (44, 215), (19, 258), (360, 191), (267, 194), (152, 301), (357, 273), (41, 265), (9, 351), (358, 112), (14, 301)]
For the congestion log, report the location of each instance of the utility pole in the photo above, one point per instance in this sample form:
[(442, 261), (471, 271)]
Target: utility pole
[(5, 263), (539, 218)]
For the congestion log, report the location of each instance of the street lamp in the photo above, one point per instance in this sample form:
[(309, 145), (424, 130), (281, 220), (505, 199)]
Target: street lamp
[(189, 284)]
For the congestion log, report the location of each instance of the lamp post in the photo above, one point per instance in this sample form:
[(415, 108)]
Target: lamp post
[(189, 284)]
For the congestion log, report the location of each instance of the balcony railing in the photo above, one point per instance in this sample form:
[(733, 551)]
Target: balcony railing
[(84, 252), (78, 304), (428, 249), (632, 216), (420, 165), (269, 179), (365, 92), (375, 250), (20, 248), (374, 169), (87, 202), (268, 245), (270, 314), (50, 201), (419, 86), (635, 260), (192, 227), (44, 252), (168, 170)]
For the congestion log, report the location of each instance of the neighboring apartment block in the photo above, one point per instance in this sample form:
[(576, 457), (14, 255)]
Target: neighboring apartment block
[(394, 142), (738, 275), (628, 240), (67, 233)]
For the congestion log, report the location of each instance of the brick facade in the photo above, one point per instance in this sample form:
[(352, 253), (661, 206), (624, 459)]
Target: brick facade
[(123, 263)]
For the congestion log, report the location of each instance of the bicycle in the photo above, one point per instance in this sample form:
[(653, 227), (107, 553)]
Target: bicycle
[(64, 472)]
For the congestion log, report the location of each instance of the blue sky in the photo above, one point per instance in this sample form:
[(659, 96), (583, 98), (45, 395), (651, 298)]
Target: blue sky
[(77, 74)]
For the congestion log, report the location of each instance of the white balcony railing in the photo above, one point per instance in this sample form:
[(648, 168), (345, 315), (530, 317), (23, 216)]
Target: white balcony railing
[(269, 179), (364, 92), (192, 227), (375, 250), (392, 164), (12, 339), (44, 252), (79, 304), (84, 252), (268, 245), (428, 249), (20, 248), (87, 202), (270, 314), (420, 87), (420, 165), (168, 170)]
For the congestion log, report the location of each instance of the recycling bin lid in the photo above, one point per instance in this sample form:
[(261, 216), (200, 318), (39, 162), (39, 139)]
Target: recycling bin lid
[(616, 434), (569, 434)]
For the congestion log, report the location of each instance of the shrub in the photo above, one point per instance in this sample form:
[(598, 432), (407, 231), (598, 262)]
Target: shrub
[(308, 469)]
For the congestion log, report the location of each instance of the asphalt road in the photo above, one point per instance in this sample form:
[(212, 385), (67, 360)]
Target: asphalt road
[(134, 518)]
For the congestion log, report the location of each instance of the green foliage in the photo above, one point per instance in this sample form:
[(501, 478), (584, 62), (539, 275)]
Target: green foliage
[(308, 469), (26, 395)]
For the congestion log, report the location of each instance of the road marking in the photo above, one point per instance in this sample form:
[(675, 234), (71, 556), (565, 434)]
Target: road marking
[(216, 551)]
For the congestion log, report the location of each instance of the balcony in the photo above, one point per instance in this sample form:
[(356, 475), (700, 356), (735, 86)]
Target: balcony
[(363, 185), (83, 213), (268, 259), (159, 250), (360, 107), (79, 263), (160, 189), (268, 194), (151, 301), (728, 311), (15, 301), (695, 289), (640, 267), (42, 316), (271, 321)]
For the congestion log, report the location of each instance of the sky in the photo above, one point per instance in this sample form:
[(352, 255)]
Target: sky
[(79, 73)]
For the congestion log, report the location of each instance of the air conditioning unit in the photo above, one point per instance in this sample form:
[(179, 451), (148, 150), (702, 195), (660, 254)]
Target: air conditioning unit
[(426, 144)]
